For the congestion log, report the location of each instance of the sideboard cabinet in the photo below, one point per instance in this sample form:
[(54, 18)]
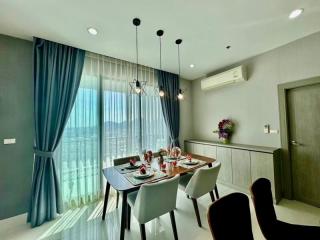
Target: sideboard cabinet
[(241, 164)]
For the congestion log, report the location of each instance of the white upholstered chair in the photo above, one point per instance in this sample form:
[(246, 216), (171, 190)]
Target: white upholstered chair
[(152, 201), (203, 181)]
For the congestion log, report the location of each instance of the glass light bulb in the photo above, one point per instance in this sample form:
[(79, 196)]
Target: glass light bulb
[(180, 96), (161, 93), (138, 90)]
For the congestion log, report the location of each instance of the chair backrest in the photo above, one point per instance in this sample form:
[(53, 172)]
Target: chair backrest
[(156, 199), (263, 203), (203, 181), (229, 218), (157, 154), (120, 161)]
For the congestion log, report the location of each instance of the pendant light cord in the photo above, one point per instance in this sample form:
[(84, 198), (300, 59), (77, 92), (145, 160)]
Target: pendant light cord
[(160, 53), (179, 58), (137, 51)]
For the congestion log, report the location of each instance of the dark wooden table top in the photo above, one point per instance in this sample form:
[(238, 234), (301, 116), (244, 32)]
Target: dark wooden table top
[(119, 182)]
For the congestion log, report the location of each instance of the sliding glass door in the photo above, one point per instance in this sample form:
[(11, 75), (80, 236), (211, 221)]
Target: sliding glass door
[(108, 121)]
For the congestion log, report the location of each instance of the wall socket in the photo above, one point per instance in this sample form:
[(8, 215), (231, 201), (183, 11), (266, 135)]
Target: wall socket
[(9, 141)]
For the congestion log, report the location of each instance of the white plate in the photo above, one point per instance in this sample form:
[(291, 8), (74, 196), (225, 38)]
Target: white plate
[(138, 175), (192, 162)]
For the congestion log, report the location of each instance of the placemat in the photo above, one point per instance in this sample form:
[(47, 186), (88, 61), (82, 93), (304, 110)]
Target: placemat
[(157, 176), (122, 168), (181, 164)]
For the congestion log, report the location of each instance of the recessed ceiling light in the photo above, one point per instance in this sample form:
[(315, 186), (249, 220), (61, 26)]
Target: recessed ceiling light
[(92, 31), (296, 13), (192, 65)]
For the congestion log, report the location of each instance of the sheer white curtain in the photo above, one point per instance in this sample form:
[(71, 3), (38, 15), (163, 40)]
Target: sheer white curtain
[(122, 116), (78, 155), (105, 124)]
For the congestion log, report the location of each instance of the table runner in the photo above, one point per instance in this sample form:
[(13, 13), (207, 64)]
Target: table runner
[(135, 181)]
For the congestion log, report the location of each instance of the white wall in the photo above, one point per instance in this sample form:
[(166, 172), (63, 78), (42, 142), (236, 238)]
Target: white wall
[(255, 103)]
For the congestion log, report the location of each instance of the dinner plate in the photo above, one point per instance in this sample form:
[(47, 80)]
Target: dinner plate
[(192, 162), (138, 175), (137, 165)]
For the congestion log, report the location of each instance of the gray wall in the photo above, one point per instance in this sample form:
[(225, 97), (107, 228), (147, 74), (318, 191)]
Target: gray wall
[(16, 121), (254, 103), (185, 112)]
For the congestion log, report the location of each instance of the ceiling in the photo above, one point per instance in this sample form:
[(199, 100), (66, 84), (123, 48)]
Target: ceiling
[(250, 27)]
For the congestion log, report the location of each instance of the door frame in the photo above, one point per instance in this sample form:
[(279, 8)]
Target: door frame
[(286, 165)]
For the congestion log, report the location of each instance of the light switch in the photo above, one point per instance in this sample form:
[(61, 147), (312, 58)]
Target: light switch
[(9, 141), (274, 131)]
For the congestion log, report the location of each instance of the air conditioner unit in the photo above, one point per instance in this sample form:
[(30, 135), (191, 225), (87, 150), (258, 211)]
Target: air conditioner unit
[(234, 75)]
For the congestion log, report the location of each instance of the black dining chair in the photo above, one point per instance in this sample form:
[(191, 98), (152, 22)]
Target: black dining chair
[(229, 218), (120, 161), (270, 226)]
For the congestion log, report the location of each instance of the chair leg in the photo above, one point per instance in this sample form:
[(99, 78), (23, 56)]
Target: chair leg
[(196, 209), (212, 196), (216, 191), (128, 216), (117, 199), (142, 232), (174, 227)]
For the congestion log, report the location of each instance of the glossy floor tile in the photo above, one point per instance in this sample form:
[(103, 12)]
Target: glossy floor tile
[(85, 223)]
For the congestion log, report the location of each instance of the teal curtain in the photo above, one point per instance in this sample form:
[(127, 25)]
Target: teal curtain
[(56, 71), (170, 104)]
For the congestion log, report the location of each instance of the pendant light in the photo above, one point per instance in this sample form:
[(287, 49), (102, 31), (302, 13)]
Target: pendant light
[(160, 34), (136, 85), (180, 94)]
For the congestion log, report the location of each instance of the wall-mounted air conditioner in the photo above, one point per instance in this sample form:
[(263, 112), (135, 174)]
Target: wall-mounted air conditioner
[(234, 75)]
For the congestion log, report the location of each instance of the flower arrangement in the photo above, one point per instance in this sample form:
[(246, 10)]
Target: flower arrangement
[(225, 130)]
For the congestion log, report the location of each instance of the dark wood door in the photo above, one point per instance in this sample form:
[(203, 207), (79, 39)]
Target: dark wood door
[(304, 140)]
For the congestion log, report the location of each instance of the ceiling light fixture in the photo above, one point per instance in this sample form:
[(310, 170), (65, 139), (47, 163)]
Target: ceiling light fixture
[(191, 65), (136, 85), (160, 34), (92, 31), (296, 13), (178, 42)]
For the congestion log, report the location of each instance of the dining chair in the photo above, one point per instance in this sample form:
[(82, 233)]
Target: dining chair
[(120, 161), (152, 201), (270, 226), (196, 185), (157, 154), (230, 218)]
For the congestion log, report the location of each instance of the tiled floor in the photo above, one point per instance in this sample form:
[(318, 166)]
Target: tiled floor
[(85, 223)]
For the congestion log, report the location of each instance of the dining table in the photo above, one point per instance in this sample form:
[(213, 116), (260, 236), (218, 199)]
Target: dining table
[(118, 180)]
